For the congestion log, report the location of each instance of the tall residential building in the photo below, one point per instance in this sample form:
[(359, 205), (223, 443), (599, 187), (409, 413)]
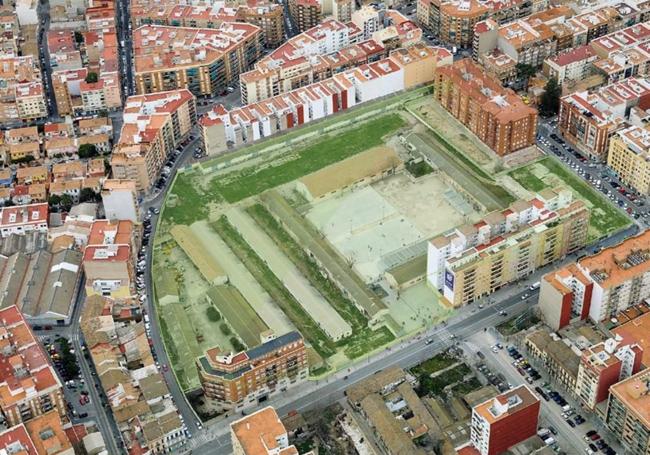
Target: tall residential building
[(261, 433), (452, 21), (154, 125), (22, 96), (119, 198), (504, 421), (629, 157), (240, 380), (628, 413), (204, 60), (475, 260), (603, 365), (109, 257), (571, 66), (589, 119), (29, 386), (305, 13), (598, 286), (496, 115)]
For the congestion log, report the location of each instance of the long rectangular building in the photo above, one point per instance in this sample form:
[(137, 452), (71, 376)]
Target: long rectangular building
[(628, 413), (404, 69), (474, 260)]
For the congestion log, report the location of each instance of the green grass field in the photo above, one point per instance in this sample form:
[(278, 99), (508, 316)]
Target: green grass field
[(239, 314), (239, 185), (548, 172)]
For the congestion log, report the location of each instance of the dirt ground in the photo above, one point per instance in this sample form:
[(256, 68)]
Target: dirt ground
[(455, 133)]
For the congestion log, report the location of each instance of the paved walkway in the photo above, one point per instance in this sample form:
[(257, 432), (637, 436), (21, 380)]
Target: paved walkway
[(241, 278), (311, 300)]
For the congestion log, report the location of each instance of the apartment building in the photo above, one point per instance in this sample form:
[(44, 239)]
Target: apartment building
[(589, 119), (598, 286), (623, 53), (260, 433), (311, 56), (496, 115), (29, 386), (603, 365), (23, 218), (629, 157), (42, 435), (560, 360), (243, 379), (22, 96), (524, 41), (154, 125), (570, 66), (205, 61), (504, 421), (266, 15), (109, 257), (305, 13), (451, 20), (628, 413), (474, 260)]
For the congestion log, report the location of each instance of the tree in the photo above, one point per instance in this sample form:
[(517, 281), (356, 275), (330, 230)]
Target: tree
[(78, 37), (66, 202), (550, 103), (525, 72), (225, 329), (237, 345), (54, 200), (88, 195), (213, 314), (87, 151), (91, 78)]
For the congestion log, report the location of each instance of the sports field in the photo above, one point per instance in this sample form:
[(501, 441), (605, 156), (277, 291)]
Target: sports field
[(548, 172)]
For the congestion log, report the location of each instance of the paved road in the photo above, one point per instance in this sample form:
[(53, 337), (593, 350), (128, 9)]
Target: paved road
[(325, 392), (104, 416)]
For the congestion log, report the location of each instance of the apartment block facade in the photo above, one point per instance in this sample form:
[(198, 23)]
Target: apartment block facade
[(589, 119), (603, 365), (629, 157), (403, 69), (475, 260), (497, 116), (598, 286), (240, 380), (628, 413), (504, 421), (205, 61), (154, 125)]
